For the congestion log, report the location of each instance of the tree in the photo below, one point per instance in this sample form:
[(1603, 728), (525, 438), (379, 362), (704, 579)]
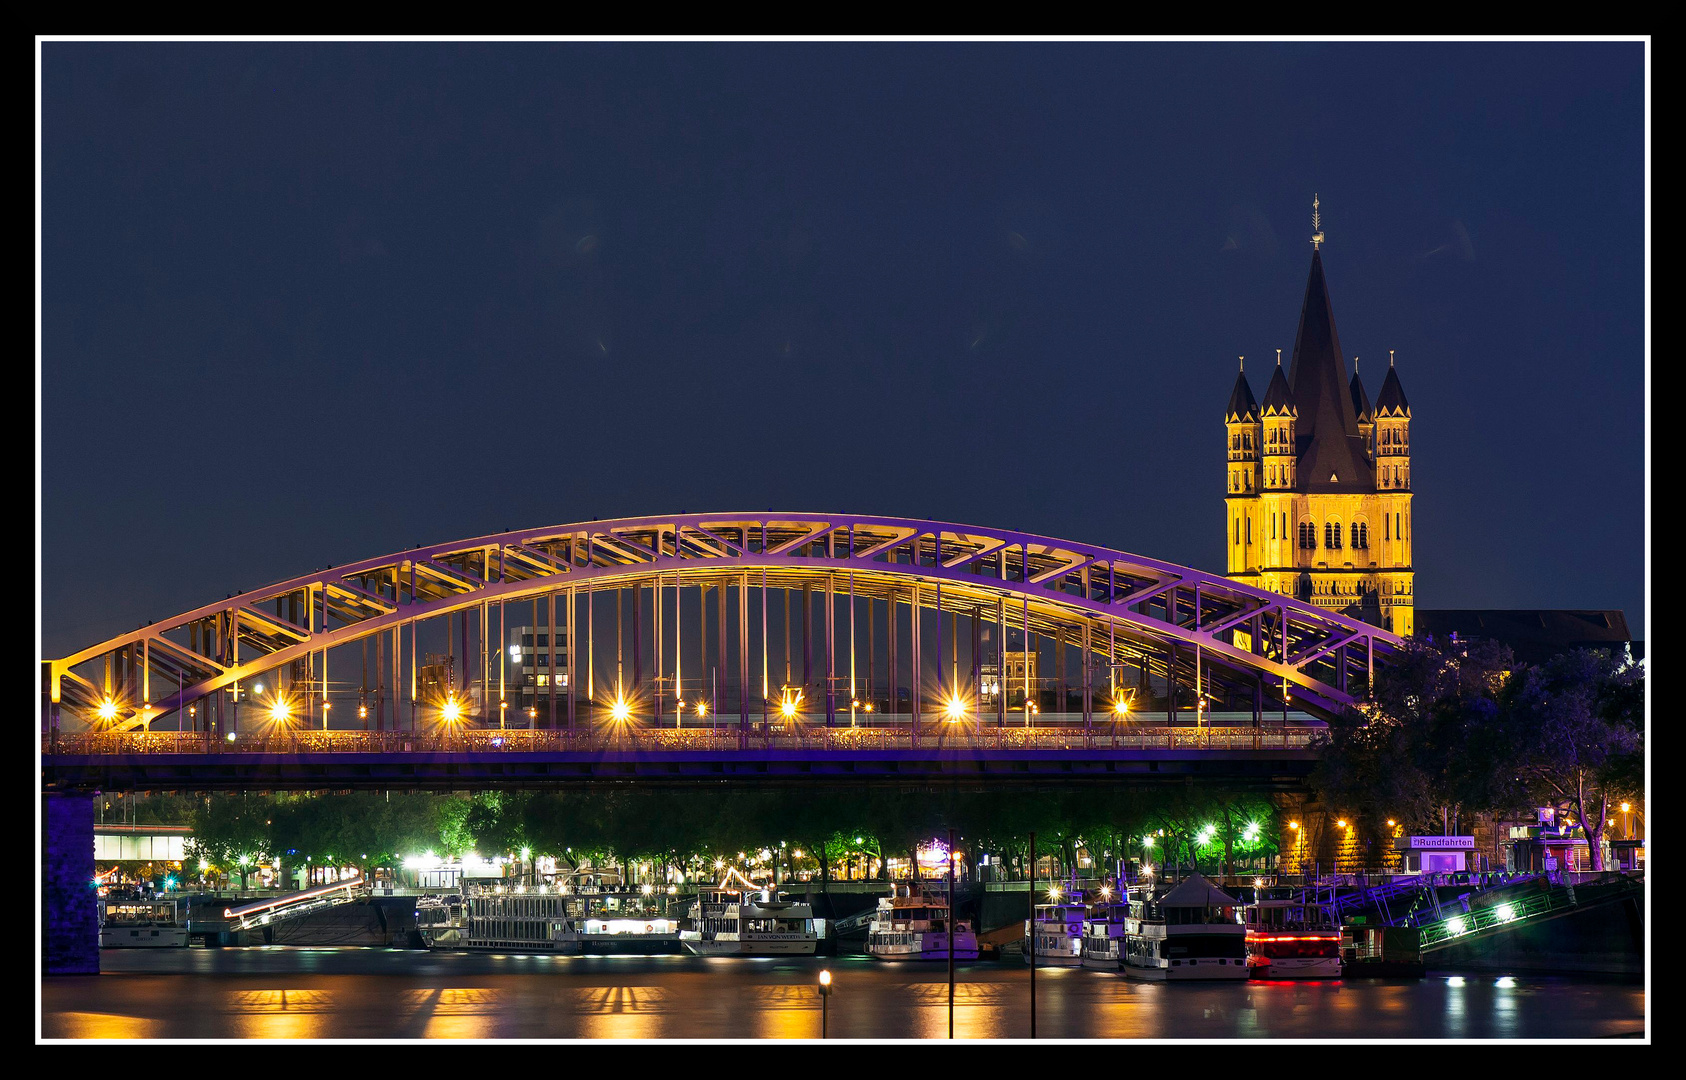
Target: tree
[(1430, 740), (1579, 725)]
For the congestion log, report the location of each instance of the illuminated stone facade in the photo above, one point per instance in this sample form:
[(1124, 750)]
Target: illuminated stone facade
[(1319, 480)]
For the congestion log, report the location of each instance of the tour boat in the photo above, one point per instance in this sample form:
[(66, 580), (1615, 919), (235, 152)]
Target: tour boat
[(914, 925), (128, 924), (497, 919), (1056, 933), (1184, 932), (726, 922), (1103, 934), (1292, 939)]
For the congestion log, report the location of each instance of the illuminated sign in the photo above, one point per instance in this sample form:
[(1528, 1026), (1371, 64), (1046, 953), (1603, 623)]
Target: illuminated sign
[(1441, 843)]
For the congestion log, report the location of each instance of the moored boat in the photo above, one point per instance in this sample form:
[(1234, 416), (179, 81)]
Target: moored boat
[(1103, 932), (728, 922), (914, 925), (1184, 932), (142, 924), (1056, 932), (1291, 939)]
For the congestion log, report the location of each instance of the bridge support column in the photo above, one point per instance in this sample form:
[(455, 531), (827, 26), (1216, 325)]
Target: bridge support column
[(69, 905)]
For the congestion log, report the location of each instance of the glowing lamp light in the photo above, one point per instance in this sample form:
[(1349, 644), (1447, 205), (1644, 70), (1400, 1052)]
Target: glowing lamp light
[(1390, 823), (1294, 825), (452, 711), (1506, 912), (1147, 841), (702, 708), (1341, 823), (620, 710), (1054, 892), (956, 708), (231, 736), (825, 980), (362, 712), (108, 709), (279, 711), (1625, 808), (868, 706), (1456, 924), (1120, 707), (645, 889)]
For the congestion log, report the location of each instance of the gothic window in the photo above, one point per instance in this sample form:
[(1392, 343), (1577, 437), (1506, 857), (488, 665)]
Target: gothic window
[(1332, 535), (1360, 536)]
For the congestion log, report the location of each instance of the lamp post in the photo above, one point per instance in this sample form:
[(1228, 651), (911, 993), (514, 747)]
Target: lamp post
[(951, 908), (825, 994), (1030, 934)]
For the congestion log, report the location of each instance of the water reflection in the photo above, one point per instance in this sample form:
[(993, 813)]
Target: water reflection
[(95, 1025), (393, 994)]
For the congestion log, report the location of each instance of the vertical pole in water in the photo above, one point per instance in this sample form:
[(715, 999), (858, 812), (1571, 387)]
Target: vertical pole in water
[(951, 910), (1030, 936)]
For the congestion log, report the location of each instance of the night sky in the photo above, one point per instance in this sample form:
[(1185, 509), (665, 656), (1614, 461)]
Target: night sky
[(310, 303)]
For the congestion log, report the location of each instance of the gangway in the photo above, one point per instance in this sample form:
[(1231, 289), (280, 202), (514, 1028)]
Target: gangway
[(1533, 907), (295, 905), (849, 924)]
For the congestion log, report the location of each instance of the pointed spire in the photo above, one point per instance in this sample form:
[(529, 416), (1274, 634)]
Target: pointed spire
[(1242, 408), (1360, 400), (1279, 399), (1328, 439), (1316, 224), (1391, 400)]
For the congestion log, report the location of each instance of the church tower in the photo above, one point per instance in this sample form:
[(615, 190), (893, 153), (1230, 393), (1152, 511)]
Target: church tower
[(1319, 497)]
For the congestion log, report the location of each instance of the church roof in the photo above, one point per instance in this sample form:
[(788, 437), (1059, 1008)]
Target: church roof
[(1391, 401), (1331, 452), (1360, 400), (1278, 398), (1241, 403)]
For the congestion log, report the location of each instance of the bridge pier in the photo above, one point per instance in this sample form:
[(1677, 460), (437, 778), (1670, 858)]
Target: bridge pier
[(69, 905)]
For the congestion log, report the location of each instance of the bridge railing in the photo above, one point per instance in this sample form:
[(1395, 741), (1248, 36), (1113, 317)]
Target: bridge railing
[(655, 740)]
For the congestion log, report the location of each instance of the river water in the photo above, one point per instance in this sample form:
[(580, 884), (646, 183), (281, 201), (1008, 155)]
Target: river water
[(304, 993)]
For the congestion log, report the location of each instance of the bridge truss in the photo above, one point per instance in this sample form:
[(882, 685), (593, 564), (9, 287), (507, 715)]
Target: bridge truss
[(1136, 632)]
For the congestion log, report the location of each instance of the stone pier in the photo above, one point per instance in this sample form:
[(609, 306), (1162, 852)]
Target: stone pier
[(69, 906)]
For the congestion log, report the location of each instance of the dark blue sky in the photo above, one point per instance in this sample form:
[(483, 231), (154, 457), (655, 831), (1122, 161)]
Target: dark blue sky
[(307, 303)]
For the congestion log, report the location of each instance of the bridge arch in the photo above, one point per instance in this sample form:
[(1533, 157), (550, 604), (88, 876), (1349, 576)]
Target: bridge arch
[(1196, 633)]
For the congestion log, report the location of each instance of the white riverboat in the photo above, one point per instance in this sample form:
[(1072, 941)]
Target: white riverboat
[(914, 925), (142, 924), (1185, 932), (729, 922), (1292, 939), (1056, 932), (1103, 933), (526, 921)]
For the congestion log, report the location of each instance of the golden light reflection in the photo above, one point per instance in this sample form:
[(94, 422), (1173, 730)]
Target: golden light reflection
[(97, 1025)]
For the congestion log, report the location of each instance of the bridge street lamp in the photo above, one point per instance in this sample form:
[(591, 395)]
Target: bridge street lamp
[(825, 996)]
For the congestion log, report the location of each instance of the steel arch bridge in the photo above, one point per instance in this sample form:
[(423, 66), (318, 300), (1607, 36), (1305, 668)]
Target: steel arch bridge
[(1203, 638)]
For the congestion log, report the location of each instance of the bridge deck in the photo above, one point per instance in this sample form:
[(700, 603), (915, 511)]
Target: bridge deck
[(503, 758)]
